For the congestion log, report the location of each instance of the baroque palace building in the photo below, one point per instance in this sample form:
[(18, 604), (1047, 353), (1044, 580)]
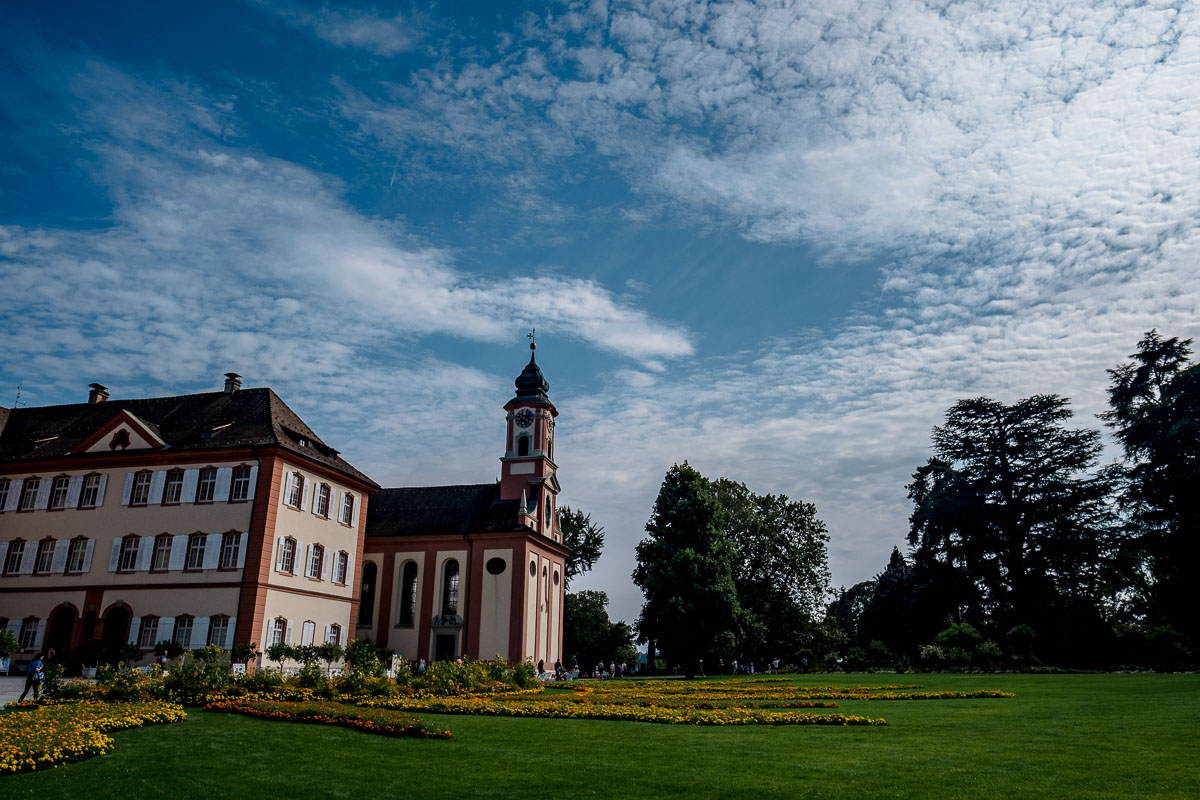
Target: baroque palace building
[(222, 517)]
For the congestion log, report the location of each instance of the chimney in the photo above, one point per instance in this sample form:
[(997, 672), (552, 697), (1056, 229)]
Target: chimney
[(233, 382), (98, 393)]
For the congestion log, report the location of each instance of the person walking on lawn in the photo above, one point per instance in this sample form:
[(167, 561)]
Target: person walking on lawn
[(34, 675)]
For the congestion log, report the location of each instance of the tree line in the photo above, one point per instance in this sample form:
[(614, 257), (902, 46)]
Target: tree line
[(1024, 548)]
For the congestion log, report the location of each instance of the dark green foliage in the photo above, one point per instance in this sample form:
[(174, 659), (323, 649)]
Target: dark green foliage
[(1008, 527), (1155, 411), (585, 540), (685, 570), (365, 658), (589, 635), (169, 648), (243, 652)]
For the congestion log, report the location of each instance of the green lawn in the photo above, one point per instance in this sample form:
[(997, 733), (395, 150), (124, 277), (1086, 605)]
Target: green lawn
[(1062, 736)]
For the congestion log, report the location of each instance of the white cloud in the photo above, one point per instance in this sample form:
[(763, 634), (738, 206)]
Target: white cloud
[(364, 30)]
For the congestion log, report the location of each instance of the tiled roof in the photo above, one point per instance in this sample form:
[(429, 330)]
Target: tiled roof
[(244, 418), (432, 510)]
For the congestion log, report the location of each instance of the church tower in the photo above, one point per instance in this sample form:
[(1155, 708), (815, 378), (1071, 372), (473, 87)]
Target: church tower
[(528, 471)]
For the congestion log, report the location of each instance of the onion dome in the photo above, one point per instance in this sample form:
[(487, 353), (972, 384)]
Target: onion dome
[(531, 384)]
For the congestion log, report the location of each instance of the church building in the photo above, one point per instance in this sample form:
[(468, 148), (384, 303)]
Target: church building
[(222, 517)]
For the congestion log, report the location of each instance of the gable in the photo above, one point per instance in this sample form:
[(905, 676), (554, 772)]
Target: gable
[(121, 432)]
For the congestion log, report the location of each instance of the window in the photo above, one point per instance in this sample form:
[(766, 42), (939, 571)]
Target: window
[(173, 488), (450, 588), (316, 554), (240, 488), (5, 483), (16, 551), (29, 491), (58, 491), (162, 553), (321, 506), (218, 632), (76, 554), (91, 491), (140, 493), (231, 546), (366, 603), (308, 632), (340, 562), (347, 512), (207, 485), (333, 634), (183, 631), (522, 445), (29, 629), (127, 562), (547, 521), (295, 490), (45, 555), (195, 551), (148, 636), (408, 593), (277, 631), (287, 555)]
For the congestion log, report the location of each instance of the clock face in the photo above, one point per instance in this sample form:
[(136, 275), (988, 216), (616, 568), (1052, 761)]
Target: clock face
[(524, 418)]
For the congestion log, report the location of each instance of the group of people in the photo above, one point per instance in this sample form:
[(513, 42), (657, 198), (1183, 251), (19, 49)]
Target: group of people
[(35, 677)]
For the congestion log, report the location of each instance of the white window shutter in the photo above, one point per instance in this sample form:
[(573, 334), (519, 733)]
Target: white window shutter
[(212, 550), (87, 555), (128, 489), (114, 559), (325, 637), (253, 481), (303, 499), (242, 542), (14, 494), (3, 553), (37, 637), (59, 562), (342, 637), (29, 557), (157, 481), (307, 556), (224, 478), (316, 487), (350, 569), (279, 554), (229, 631), (100, 490), (43, 495), (354, 512), (73, 489), (135, 625), (145, 552), (188, 492), (199, 632), (178, 551), (166, 627), (299, 562), (14, 626), (287, 634), (326, 557), (287, 487)]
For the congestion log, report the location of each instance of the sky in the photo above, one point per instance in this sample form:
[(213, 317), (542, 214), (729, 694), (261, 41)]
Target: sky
[(776, 240)]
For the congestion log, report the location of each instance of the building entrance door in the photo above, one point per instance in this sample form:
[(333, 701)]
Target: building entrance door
[(62, 626), (444, 647)]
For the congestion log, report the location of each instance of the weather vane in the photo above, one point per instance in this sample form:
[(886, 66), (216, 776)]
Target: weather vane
[(530, 337)]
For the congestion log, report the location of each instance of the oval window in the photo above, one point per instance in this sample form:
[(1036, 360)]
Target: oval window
[(533, 569), (556, 577), (496, 565)]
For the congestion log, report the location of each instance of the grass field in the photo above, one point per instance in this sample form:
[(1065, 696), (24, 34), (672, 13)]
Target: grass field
[(1061, 736)]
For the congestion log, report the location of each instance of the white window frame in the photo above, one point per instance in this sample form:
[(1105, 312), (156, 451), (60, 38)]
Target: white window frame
[(127, 559), (28, 635), (184, 623), (206, 485), (278, 629), (148, 633), (160, 560), (321, 505), (231, 546), (346, 513), (239, 488), (333, 634), (5, 488), (59, 491), (195, 555), (44, 561), (173, 488), (139, 494), (29, 493), (14, 557), (296, 495), (316, 555), (76, 554), (218, 623), (340, 562), (89, 495)]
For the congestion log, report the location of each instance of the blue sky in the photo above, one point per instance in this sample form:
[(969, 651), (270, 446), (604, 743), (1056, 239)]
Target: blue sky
[(774, 240)]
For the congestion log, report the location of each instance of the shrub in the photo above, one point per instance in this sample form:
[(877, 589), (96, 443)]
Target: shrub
[(125, 683), (988, 655), (195, 679), (962, 635), (1020, 641), (243, 652), (169, 648)]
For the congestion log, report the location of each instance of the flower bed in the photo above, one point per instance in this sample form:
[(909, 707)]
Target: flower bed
[(49, 734), (380, 721)]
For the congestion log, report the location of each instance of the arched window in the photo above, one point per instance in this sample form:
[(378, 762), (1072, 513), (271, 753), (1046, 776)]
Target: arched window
[(408, 594), (523, 445), (366, 605), (450, 588)]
